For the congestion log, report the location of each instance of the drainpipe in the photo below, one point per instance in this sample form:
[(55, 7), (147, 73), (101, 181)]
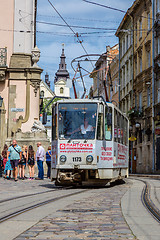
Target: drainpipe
[(153, 87), (119, 89)]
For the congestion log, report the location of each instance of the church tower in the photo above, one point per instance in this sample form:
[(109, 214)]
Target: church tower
[(61, 77)]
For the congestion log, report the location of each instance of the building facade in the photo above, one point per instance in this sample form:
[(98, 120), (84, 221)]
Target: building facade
[(20, 75), (136, 41), (99, 75)]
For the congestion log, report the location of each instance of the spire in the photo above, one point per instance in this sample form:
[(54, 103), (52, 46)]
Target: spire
[(62, 72)]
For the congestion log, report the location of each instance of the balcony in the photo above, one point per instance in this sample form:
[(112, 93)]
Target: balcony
[(3, 63)]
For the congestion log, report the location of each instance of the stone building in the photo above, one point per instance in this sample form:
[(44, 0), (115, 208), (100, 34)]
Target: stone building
[(135, 40), (99, 74), (157, 81), (20, 75), (113, 77)]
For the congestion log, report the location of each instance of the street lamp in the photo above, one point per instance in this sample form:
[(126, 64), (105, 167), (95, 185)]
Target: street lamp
[(1, 101)]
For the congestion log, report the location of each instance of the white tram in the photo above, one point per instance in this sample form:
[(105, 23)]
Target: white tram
[(89, 142)]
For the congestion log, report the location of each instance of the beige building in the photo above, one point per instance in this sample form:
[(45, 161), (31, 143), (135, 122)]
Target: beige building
[(113, 78), (99, 74), (20, 75), (135, 39)]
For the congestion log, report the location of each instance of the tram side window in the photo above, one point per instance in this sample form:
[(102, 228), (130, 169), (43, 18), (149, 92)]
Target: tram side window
[(54, 123), (115, 126), (119, 127), (126, 130), (122, 129), (100, 127), (108, 124)]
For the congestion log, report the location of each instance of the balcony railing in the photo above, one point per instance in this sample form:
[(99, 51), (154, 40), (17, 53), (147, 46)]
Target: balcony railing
[(3, 57)]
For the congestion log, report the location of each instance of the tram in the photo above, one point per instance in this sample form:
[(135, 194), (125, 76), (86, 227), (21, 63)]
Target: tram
[(89, 142)]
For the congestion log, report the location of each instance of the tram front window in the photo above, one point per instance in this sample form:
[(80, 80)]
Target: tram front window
[(77, 120)]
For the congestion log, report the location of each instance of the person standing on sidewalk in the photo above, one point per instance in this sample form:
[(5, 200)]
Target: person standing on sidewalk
[(4, 155), (15, 153), (48, 161), (40, 158)]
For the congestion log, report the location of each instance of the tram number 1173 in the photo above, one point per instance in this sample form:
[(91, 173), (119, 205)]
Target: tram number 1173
[(77, 159)]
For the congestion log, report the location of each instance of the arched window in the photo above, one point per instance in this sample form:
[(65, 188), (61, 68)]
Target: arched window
[(61, 90), (42, 94)]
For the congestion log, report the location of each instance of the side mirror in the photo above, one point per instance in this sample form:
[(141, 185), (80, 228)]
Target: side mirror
[(44, 118)]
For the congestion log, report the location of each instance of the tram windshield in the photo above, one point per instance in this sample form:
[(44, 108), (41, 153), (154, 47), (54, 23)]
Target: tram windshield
[(77, 120)]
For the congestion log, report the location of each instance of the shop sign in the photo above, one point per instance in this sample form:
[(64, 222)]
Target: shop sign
[(17, 109)]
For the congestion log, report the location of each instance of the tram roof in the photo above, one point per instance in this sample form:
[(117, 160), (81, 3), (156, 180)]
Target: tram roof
[(82, 101)]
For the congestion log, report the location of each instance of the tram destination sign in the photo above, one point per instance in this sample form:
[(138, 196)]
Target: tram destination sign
[(17, 109)]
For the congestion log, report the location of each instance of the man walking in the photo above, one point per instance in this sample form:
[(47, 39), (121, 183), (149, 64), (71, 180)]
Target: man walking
[(15, 153), (40, 158)]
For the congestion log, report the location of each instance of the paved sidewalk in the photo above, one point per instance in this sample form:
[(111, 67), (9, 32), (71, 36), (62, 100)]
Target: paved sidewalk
[(96, 217), (143, 225)]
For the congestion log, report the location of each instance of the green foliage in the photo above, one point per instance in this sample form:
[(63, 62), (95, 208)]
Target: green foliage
[(49, 108)]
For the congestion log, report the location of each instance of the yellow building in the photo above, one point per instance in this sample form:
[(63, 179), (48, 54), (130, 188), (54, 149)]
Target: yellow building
[(136, 83)]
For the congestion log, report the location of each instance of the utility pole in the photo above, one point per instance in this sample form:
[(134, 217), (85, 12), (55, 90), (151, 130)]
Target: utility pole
[(153, 87), (35, 19)]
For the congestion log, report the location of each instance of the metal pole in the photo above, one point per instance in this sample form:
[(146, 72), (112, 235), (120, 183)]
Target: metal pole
[(35, 18), (119, 74), (153, 86)]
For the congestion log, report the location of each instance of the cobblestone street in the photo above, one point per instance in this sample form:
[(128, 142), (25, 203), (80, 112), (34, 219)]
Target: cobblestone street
[(96, 217)]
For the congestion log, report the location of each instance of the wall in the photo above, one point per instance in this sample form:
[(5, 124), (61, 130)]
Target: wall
[(24, 20)]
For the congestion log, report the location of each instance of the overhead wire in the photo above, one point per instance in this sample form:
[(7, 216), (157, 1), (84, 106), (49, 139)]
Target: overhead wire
[(112, 8), (70, 29)]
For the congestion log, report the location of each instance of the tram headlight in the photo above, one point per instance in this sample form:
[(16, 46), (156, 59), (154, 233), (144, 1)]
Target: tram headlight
[(63, 158), (89, 158)]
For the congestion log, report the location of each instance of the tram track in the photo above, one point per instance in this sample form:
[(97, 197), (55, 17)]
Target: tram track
[(31, 207), (147, 201), (31, 194)]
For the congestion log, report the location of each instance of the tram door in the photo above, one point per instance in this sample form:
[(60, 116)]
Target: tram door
[(158, 153)]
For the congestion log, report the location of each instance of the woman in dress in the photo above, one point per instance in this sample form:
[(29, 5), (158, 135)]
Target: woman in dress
[(48, 161), (4, 155), (31, 161), (22, 162), (8, 169)]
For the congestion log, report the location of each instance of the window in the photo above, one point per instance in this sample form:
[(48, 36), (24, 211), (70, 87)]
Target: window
[(54, 123), (149, 58), (140, 28), (149, 18), (131, 70), (140, 63), (140, 101), (126, 42), (148, 96), (100, 127), (158, 89), (61, 90), (115, 126), (136, 34), (158, 45), (157, 6), (123, 46), (108, 124), (135, 67)]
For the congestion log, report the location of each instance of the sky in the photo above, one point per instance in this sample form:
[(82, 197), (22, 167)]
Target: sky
[(85, 19)]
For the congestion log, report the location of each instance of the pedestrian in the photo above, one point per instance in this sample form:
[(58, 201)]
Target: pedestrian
[(8, 169), (22, 162), (15, 155), (48, 161), (4, 155), (31, 161), (40, 158)]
